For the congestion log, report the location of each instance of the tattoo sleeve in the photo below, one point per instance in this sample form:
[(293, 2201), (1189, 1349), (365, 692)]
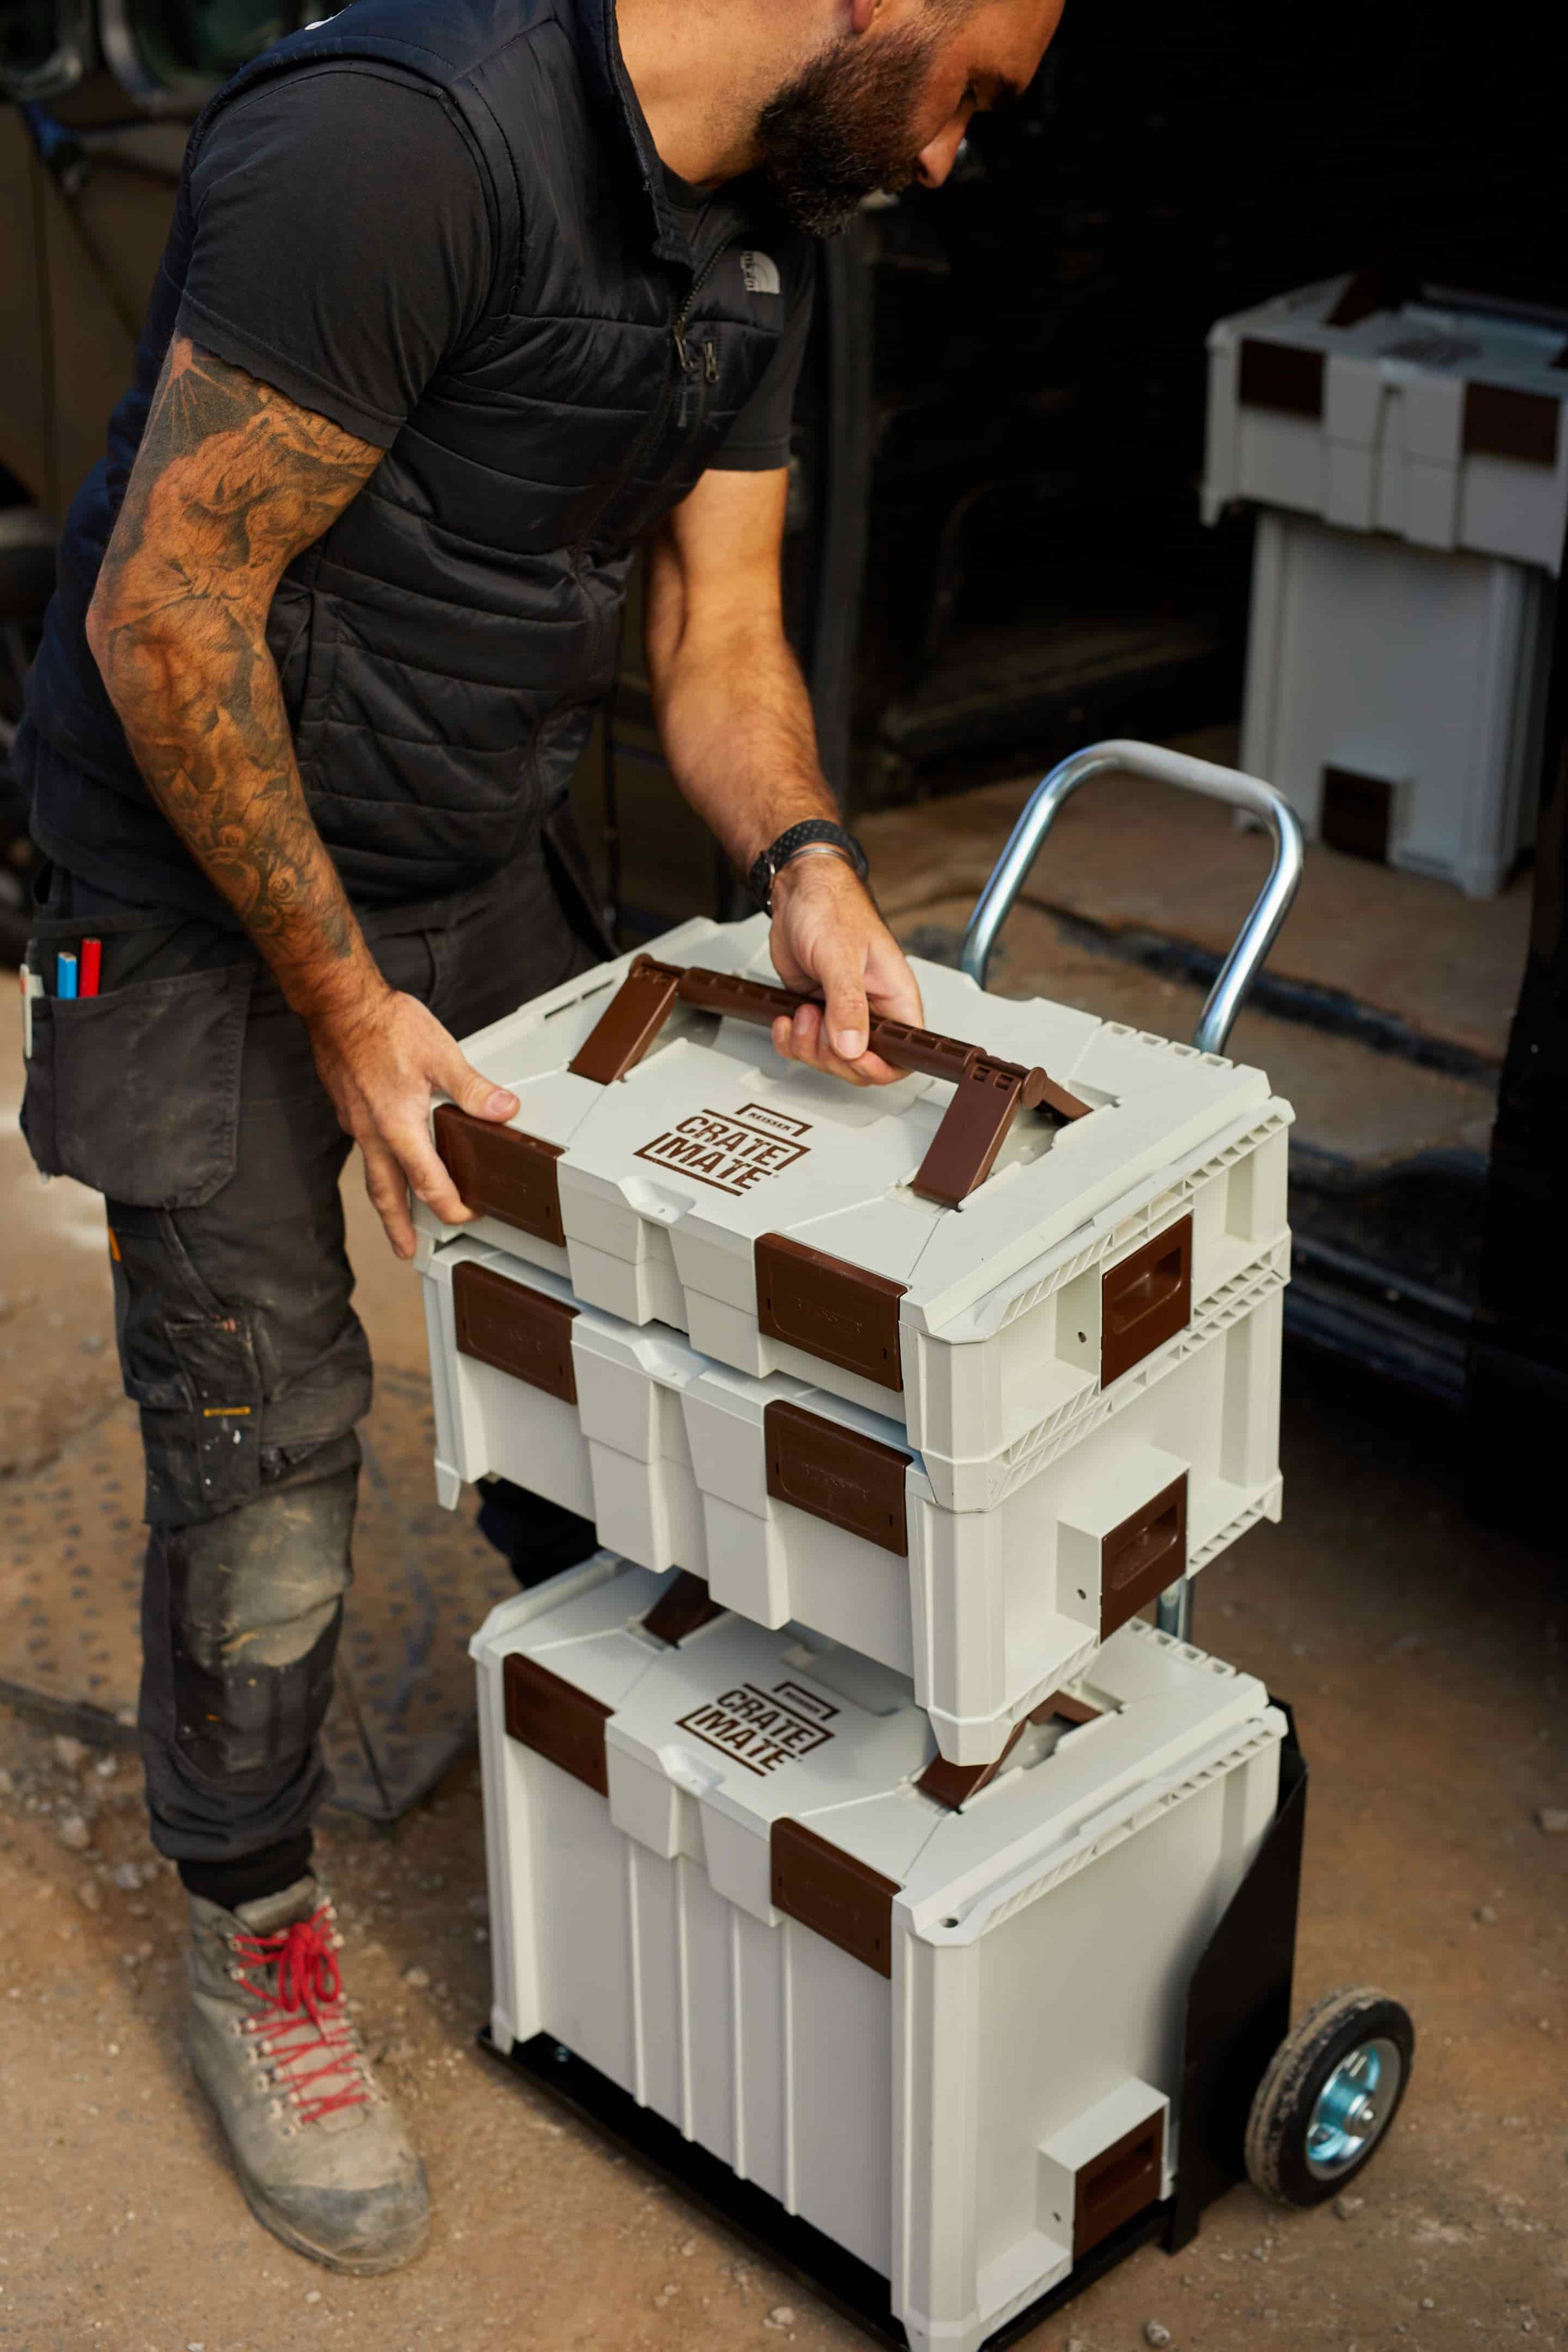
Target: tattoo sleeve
[(233, 481)]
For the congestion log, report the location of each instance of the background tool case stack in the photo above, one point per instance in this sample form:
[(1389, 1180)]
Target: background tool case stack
[(855, 1846)]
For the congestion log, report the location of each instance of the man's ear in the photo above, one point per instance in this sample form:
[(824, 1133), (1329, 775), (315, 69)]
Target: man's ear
[(863, 13)]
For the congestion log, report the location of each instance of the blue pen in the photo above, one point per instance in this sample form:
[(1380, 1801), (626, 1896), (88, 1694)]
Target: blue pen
[(64, 975)]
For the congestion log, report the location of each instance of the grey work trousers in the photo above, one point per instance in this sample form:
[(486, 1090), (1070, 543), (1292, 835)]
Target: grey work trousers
[(186, 1092)]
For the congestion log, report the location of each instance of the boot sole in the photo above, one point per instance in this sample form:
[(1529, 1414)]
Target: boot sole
[(367, 2265)]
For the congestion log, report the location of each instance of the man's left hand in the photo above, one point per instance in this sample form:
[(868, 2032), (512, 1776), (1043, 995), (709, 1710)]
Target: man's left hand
[(828, 939)]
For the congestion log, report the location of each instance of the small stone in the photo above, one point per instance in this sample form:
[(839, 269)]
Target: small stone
[(69, 1754), (106, 1768), (314, 2295), (1345, 2204), (1554, 1820), (1074, 2343), (1427, 2303), (419, 1978), (126, 1876), (7, 1785), (690, 2247), (1485, 1917), (73, 1832), (88, 1895), (1154, 2333), (781, 2315)]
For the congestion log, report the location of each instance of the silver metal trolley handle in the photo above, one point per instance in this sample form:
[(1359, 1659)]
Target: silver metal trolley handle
[(1257, 934), (1241, 967)]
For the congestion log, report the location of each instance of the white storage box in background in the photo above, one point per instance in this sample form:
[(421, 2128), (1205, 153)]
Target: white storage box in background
[(1398, 649), (1431, 420), (772, 1215), (951, 2039), (988, 1590), (1396, 697)]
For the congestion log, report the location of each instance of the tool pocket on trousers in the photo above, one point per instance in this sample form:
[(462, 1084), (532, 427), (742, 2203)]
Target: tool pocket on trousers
[(136, 1093)]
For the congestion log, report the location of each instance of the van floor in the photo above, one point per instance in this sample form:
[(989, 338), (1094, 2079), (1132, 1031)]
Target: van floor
[(1424, 1659)]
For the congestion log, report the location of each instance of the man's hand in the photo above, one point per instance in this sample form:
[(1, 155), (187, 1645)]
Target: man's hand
[(381, 1062), (828, 938)]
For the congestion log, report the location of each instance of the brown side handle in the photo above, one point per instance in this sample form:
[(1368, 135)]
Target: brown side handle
[(1118, 2183), (1145, 1299), (989, 1095)]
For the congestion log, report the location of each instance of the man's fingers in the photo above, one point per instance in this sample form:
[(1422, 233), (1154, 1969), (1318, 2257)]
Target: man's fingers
[(471, 1092), (384, 1180), (847, 1022), (427, 1173), (806, 1039)]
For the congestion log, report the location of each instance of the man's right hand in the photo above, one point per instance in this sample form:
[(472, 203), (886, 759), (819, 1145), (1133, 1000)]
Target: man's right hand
[(381, 1062)]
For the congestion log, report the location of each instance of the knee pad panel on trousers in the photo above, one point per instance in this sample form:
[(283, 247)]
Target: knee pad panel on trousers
[(256, 1606)]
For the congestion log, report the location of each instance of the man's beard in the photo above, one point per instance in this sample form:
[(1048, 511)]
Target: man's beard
[(844, 126)]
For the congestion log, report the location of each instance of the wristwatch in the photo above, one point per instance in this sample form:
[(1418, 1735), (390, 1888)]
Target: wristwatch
[(815, 833)]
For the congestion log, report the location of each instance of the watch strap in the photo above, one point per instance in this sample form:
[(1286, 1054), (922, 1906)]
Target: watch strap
[(812, 833)]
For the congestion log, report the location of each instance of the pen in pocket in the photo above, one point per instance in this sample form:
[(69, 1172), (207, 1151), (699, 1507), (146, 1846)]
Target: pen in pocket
[(92, 966), (32, 985), (65, 973)]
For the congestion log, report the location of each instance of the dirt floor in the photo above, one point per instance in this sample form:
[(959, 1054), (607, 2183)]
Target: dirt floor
[(1427, 1662)]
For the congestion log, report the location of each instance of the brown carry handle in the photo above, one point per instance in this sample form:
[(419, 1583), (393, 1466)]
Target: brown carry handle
[(989, 1094)]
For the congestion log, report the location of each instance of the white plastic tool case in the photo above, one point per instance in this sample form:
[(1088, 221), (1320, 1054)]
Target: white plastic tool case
[(943, 2017), (794, 1505), (978, 1252), (1431, 420), (1411, 463)]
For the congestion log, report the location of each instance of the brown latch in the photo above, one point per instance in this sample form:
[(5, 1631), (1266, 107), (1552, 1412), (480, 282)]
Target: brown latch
[(1138, 1558), (830, 1892), (839, 1474), (628, 1023), (557, 1719), (829, 1309), (500, 1173), (1145, 1300), (685, 1607), (952, 1785), (1118, 2183), (517, 1330), (1500, 421)]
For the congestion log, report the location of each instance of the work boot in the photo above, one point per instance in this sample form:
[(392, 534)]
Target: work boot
[(322, 2153)]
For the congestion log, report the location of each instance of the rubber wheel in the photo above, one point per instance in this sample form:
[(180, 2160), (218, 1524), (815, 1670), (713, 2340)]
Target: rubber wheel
[(1295, 2153)]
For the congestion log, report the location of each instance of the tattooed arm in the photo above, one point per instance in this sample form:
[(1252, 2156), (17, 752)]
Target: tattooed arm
[(232, 481)]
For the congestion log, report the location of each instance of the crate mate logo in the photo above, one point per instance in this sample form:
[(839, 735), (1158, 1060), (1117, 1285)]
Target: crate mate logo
[(762, 1730), (730, 1151)]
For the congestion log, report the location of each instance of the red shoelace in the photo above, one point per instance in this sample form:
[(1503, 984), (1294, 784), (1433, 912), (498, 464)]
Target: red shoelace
[(303, 2020)]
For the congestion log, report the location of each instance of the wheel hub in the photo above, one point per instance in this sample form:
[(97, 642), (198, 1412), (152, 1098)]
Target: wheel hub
[(1353, 2107)]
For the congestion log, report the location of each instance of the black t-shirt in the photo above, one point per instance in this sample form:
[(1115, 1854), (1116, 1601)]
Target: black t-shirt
[(343, 249)]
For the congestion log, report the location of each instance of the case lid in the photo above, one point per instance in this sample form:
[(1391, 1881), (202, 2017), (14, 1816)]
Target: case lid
[(815, 1757), (1017, 1124)]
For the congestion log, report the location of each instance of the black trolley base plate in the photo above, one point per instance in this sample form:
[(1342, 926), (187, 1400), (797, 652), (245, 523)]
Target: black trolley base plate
[(856, 2289)]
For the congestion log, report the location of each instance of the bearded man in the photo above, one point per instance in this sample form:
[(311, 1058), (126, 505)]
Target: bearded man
[(462, 300)]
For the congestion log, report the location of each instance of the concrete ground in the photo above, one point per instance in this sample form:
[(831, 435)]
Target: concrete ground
[(1427, 1662)]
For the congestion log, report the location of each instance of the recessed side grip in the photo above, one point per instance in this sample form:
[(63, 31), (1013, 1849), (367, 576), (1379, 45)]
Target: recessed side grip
[(829, 1309), (1138, 1558), (558, 1720), (500, 1173), (830, 1892), (1145, 1299), (517, 1330), (839, 1474), (1118, 2182)]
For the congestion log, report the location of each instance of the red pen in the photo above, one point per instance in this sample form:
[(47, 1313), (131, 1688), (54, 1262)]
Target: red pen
[(92, 965)]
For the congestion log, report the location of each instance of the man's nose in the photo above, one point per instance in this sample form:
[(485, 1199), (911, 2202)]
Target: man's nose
[(936, 160)]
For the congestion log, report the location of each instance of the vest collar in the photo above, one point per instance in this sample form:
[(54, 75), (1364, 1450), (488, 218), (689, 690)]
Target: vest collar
[(598, 45)]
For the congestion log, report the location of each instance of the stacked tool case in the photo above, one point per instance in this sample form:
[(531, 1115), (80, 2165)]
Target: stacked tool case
[(1410, 466), (845, 1822)]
